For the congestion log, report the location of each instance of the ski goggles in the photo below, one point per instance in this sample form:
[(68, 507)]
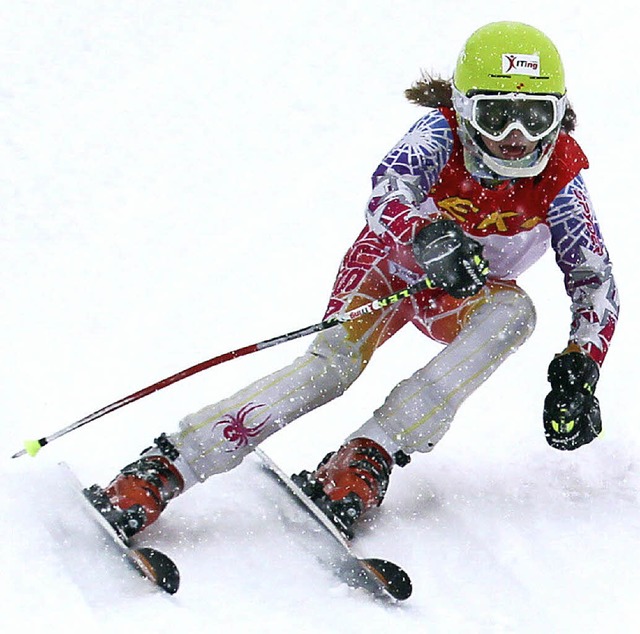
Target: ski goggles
[(495, 116)]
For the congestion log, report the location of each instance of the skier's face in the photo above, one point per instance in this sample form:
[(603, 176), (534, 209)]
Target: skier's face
[(514, 146)]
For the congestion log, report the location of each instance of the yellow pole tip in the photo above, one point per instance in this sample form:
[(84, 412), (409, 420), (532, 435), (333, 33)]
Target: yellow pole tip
[(32, 447)]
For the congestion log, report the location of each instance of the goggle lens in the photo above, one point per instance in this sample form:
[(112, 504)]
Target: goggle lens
[(494, 115)]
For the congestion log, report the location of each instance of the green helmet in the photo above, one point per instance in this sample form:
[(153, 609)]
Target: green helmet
[(509, 57)]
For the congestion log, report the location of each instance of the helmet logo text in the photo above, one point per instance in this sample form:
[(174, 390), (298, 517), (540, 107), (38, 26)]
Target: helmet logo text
[(518, 64)]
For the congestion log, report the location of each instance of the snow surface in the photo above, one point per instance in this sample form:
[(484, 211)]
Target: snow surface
[(181, 178)]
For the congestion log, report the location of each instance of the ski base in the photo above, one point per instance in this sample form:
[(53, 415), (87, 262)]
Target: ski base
[(149, 563), (378, 576)]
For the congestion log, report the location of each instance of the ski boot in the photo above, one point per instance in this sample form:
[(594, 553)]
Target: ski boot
[(138, 494), (350, 481)]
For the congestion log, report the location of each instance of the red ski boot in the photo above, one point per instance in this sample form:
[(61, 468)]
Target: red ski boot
[(349, 482), (137, 496)]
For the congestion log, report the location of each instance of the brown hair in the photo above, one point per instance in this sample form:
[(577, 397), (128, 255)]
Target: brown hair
[(434, 92)]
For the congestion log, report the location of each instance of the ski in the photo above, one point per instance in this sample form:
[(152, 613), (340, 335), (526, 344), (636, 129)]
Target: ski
[(149, 563), (380, 577)]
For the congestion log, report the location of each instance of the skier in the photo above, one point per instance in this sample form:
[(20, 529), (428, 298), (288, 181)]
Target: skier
[(470, 197)]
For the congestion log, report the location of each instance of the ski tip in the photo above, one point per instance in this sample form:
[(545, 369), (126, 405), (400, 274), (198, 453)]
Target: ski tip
[(397, 582), (164, 572)]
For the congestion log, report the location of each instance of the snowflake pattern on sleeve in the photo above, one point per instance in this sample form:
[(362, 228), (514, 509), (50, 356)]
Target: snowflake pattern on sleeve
[(406, 174), (583, 258)]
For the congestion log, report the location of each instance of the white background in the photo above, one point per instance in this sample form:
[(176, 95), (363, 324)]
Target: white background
[(181, 178)]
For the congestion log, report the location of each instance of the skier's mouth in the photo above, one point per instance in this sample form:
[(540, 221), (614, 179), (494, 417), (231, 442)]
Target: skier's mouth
[(512, 151), (514, 147)]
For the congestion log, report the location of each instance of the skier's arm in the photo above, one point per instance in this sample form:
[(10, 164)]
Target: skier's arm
[(403, 178), (449, 258), (583, 258), (571, 410)]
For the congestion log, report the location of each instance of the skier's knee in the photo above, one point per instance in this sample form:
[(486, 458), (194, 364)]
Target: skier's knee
[(512, 313), (523, 316), (341, 357)]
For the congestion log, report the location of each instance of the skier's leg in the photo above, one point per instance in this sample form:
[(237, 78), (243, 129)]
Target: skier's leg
[(218, 437), (419, 410)]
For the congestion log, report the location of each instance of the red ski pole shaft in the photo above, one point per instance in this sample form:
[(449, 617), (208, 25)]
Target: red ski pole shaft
[(32, 447)]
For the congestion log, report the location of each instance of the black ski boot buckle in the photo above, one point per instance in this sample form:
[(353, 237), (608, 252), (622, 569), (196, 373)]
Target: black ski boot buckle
[(125, 523), (342, 513)]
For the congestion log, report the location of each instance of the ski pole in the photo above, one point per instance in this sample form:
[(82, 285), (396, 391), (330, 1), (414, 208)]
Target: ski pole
[(32, 447)]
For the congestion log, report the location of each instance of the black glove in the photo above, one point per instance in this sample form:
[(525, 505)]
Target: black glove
[(451, 259), (571, 411)]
